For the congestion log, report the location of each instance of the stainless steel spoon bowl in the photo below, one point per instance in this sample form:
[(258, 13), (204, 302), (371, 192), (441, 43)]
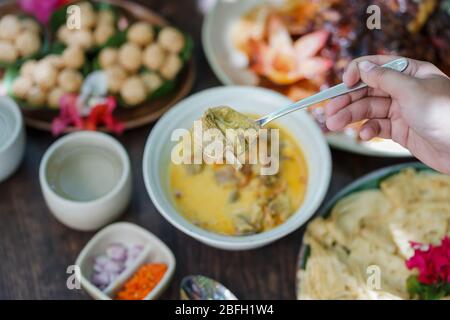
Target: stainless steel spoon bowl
[(203, 288)]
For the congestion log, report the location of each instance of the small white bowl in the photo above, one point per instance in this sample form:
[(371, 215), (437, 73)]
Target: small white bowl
[(86, 181), (155, 251), (12, 137), (251, 100)]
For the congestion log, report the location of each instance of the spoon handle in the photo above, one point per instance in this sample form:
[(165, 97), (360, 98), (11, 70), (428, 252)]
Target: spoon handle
[(338, 90)]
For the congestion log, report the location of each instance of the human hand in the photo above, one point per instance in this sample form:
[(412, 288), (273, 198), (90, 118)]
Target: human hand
[(412, 108)]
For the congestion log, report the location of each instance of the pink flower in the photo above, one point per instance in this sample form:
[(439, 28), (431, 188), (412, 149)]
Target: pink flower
[(68, 115), (41, 9), (99, 114), (432, 262)]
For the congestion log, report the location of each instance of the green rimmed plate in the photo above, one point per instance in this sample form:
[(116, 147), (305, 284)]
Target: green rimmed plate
[(366, 182)]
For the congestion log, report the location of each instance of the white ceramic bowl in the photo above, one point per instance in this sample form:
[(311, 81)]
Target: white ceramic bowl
[(112, 195), (155, 251), (250, 100), (12, 137)]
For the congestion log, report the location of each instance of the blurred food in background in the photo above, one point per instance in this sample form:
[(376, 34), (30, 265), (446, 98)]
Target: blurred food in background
[(396, 227), (301, 47)]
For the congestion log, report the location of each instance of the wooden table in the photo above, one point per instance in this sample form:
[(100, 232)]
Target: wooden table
[(35, 249)]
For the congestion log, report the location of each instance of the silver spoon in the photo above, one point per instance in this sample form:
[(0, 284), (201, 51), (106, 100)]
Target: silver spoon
[(204, 288), (338, 90)]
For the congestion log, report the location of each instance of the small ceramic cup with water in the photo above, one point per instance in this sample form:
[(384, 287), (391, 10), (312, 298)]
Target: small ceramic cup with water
[(12, 137), (86, 181)]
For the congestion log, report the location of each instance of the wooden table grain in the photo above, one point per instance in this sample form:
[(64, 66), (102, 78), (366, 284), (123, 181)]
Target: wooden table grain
[(36, 249)]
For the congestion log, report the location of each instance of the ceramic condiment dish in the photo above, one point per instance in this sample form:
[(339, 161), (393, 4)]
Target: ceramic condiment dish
[(155, 251)]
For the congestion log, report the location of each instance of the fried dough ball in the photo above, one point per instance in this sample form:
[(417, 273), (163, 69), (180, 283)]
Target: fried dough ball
[(27, 69), (88, 15), (153, 56), (171, 66), (88, 19), (36, 97), (130, 57), (21, 86), (140, 33), (171, 39), (105, 17), (63, 34), (53, 98), (28, 43), (82, 38), (31, 25), (151, 81), (108, 57), (73, 57), (85, 6), (55, 60), (70, 80), (102, 33), (45, 75), (9, 27), (133, 91), (116, 76), (8, 53)]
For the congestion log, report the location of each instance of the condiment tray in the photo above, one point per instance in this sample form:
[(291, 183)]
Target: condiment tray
[(154, 251)]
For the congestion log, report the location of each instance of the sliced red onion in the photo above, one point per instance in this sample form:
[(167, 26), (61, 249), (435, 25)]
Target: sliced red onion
[(114, 266), (100, 262), (117, 252), (134, 252), (108, 267), (101, 279)]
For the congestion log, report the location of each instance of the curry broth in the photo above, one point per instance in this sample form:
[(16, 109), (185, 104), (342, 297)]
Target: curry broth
[(222, 207)]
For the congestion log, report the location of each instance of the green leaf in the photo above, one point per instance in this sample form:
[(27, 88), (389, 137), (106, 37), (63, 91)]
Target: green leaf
[(306, 256), (186, 52), (11, 74), (116, 40), (58, 18), (57, 48), (419, 290), (164, 89)]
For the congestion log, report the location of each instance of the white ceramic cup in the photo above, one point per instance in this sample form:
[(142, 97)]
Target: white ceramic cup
[(12, 137), (96, 209)]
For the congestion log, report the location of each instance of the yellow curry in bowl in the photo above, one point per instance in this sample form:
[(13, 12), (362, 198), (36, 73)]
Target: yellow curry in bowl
[(240, 201)]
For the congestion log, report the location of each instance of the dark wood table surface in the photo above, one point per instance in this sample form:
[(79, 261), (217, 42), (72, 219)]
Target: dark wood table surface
[(35, 249)]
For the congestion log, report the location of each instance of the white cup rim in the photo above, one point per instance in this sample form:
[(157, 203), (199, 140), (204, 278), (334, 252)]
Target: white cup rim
[(12, 106), (118, 150)]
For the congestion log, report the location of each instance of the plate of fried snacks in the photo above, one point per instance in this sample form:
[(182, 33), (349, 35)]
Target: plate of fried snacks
[(118, 67), (385, 236), (299, 47)]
